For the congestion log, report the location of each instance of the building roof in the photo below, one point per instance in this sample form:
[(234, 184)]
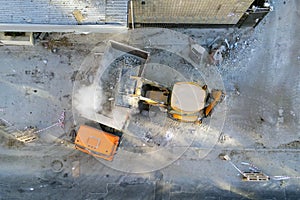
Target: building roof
[(189, 11), (61, 11)]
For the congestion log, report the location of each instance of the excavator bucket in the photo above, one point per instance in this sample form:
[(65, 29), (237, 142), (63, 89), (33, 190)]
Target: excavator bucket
[(217, 97)]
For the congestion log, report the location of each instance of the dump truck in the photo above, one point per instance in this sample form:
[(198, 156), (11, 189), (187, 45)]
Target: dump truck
[(96, 142)]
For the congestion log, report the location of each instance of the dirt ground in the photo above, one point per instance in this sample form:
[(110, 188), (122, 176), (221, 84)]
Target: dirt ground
[(257, 122)]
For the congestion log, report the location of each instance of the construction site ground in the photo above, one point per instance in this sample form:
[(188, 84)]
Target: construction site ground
[(257, 121)]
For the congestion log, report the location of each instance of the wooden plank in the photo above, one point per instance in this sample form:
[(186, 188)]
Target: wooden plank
[(255, 176), (78, 16)]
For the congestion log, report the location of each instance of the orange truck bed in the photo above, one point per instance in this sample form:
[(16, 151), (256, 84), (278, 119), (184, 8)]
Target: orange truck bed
[(96, 142)]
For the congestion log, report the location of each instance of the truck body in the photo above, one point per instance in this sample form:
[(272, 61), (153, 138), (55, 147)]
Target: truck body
[(96, 142)]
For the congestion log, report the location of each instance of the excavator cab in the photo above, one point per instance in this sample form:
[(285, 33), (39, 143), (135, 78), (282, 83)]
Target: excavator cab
[(187, 101)]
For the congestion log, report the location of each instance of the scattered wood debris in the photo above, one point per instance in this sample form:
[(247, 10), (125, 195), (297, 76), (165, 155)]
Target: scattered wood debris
[(78, 16)]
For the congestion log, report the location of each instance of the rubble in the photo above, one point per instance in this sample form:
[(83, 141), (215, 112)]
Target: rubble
[(253, 175)]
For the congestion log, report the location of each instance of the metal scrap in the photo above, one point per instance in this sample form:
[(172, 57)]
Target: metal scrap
[(255, 175)]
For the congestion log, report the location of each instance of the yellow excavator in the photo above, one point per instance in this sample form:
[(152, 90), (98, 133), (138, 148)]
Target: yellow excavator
[(186, 101)]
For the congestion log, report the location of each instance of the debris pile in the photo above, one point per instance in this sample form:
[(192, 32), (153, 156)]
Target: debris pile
[(227, 50), (25, 136), (29, 134), (254, 173), (124, 65)]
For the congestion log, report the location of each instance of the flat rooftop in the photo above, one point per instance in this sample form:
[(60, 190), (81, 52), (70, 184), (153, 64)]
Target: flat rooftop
[(60, 12)]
